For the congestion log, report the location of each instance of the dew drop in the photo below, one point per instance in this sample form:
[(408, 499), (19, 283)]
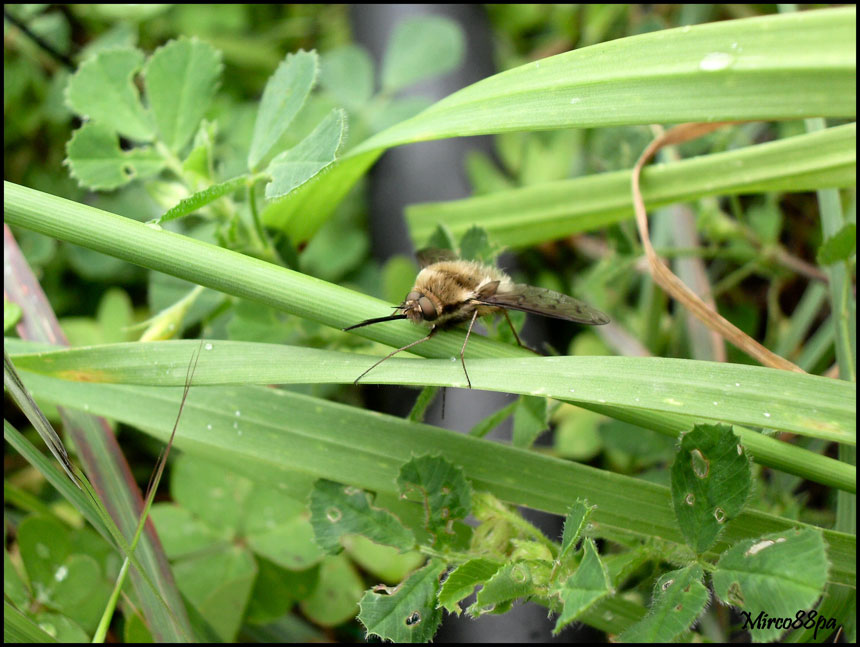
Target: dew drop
[(766, 414), (740, 450), (716, 61), (719, 515), (61, 573), (333, 514), (207, 346), (209, 427), (690, 499)]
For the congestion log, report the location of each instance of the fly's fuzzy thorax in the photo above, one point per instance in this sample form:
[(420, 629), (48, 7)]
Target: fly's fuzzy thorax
[(457, 280), (452, 287)]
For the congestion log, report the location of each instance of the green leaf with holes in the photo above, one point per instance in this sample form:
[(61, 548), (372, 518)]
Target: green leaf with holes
[(443, 491), (710, 482), (103, 90), (408, 613), (778, 575), (679, 598), (96, 161), (337, 510)]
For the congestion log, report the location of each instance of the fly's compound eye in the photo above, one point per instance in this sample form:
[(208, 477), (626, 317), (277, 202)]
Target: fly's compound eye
[(427, 308)]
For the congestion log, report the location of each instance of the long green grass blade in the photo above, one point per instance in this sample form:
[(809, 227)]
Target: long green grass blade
[(289, 440), (537, 213), (298, 294), (740, 394), (104, 465), (769, 67)]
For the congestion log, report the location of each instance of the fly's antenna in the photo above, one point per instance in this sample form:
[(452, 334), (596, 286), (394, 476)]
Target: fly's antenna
[(377, 320)]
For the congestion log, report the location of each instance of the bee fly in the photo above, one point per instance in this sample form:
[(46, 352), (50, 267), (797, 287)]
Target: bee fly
[(449, 291)]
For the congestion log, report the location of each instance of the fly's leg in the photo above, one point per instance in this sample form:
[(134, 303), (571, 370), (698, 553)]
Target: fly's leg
[(394, 352), (516, 336), (463, 350)]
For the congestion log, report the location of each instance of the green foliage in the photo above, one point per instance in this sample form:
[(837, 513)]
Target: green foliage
[(96, 160), (710, 483), (296, 166), (407, 613), (781, 574), (337, 510), (220, 528), (180, 80), (64, 577), (103, 90), (588, 585), (283, 97), (443, 492), (421, 48), (839, 247), (678, 600), (530, 419)]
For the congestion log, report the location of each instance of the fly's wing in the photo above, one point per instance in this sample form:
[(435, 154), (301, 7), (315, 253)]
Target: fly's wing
[(545, 302), (431, 255)]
